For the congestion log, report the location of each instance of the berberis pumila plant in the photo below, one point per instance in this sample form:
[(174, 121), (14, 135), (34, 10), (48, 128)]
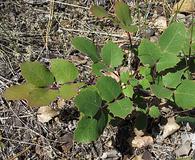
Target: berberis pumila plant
[(165, 71)]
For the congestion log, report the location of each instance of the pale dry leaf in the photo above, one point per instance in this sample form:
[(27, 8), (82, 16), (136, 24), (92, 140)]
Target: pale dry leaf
[(184, 150), (124, 69), (46, 113), (113, 75), (67, 142), (78, 59), (139, 142), (186, 6), (138, 132), (161, 23), (60, 103), (170, 127), (192, 138), (138, 157)]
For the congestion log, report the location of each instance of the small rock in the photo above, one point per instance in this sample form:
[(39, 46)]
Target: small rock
[(170, 127), (100, 2), (161, 23), (171, 1), (110, 154), (181, 17), (153, 39), (149, 32), (147, 155)]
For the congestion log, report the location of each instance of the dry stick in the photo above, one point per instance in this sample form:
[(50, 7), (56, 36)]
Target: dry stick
[(23, 142), (94, 32), (178, 8), (23, 128), (191, 35), (71, 5), (5, 118), (130, 40), (51, 13), (20, 153), (27, 126)]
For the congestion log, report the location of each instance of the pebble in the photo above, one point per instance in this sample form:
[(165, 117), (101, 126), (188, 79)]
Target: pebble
[(161, 23), (181, 17), (154, 39), (149, 32), (100, 2), (171, 1), (110, 154)]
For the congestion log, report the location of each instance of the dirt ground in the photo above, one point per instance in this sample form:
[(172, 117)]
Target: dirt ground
[(42, 29)]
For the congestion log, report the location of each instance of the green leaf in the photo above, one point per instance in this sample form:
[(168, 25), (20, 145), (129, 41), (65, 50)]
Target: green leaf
[(131, 28), (97, 68), (88, 101), (190, 36), (87, 47), (37, 74), (121, 108), (146, 72), (68, 91), (185, 94), (108, 88), (141, 121), (172, 80), (149, 53), (98, 11), (86, 131), (42, 97), (123, 15), (160, 91), (111, 54), (18, 92), (187, 42), (172, 40), (144, 83), (102, 120), (154, 112), (128, 91), (134, 82), (124, 77), (63, 70), (185, 119), (167, 61), (184, 158)]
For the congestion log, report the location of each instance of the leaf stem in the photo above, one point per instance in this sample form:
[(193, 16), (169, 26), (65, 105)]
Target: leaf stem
[(130, 40), (191, 34)]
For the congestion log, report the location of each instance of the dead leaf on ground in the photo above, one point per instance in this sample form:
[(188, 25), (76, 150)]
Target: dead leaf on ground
[(170, 127), (138, 132), (79, 59), (184, 150), (139, 157), (186, 6), (60, 103), (147, 155), (67, 142), (113, 75), (46, 113), (139, 142)]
